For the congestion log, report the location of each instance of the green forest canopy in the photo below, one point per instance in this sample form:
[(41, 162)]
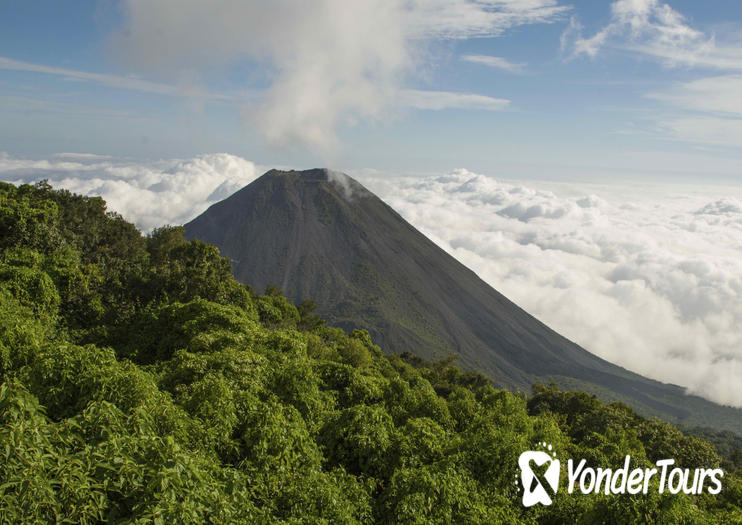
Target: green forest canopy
[(140, 382)]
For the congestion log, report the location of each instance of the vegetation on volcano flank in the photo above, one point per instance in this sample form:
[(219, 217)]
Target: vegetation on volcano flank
[(140, 382)]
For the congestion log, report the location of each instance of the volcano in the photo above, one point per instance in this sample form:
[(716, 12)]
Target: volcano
[(320, 235)]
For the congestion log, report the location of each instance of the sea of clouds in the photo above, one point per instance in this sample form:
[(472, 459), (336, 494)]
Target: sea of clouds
[(646, 276)]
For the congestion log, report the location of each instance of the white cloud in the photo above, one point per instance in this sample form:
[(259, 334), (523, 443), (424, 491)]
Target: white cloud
[(494, 62), (655, 29), (705, 110), (437, 100), (322, 64), (702, 129), (718, 94), (647, 277), (479, 18), (724, 206)]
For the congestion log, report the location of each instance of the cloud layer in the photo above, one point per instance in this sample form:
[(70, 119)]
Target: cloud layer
[(648, 277), (328, 63)]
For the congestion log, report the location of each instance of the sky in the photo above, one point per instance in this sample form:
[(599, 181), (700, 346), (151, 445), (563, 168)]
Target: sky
[(537, 89), (583, 158)]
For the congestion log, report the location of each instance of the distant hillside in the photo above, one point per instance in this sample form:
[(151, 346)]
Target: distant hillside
[(321, 235)]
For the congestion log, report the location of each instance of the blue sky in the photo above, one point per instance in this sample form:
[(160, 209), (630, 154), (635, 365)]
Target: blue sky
[(540, 89)]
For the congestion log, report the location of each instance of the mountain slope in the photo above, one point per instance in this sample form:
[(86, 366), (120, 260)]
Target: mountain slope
[(320, 235), (146, 384)]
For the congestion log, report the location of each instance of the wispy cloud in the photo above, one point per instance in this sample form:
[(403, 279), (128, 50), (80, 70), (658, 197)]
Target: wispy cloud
[(656, 30), (438, 100), (480, 18), (705, 111), (112, 81), (718, 94), (708, 130), (495, 63)]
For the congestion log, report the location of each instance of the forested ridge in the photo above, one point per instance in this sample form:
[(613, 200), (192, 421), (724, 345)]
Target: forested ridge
[(139, 382)]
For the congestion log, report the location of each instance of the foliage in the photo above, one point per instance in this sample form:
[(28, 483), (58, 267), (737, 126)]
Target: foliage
[(140, 383)]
